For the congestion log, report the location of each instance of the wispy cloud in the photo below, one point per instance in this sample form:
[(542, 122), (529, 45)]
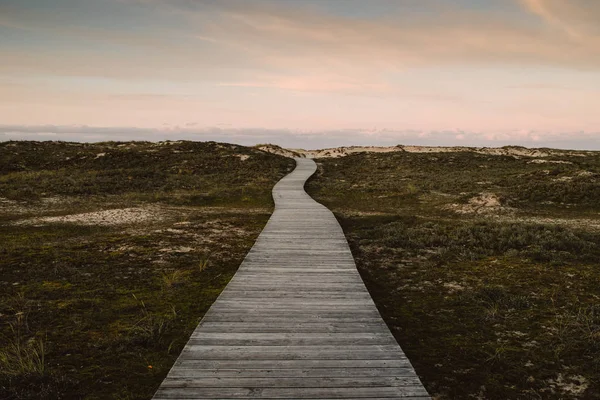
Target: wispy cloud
[(288, 35), (290, 41), (578, 18), (426, 65), (324, 83)]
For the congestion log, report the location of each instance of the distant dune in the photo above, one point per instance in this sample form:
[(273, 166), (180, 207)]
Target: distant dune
[(515, 151)]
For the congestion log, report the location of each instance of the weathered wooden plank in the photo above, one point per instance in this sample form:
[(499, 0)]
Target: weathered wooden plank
[(291, 393), (268, 308), (310, 318), (284, 316), (260, 396), (285, 382), (401, 362), (310, 352), (303, 315), (296, 321), (316, 287), (285, 326), (287, 335), (304, 301), (289, 271), (273, 279), (183, 372), (339, 341), (232, 295), (308, 303)]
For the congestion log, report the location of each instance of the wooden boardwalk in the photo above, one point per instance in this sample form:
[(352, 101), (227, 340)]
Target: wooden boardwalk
[(296, 321)]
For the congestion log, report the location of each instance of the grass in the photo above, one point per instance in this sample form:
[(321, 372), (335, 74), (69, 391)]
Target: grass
[(103, 311), (174, 279), (401, 178), (22, 356), (179, 173), (490, 300)]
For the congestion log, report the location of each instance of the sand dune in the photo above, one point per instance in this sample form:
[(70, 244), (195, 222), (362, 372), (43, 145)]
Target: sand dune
[(514, 151)]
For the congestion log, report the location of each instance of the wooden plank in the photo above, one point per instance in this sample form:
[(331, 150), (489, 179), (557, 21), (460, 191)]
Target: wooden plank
[(183, 372), (296, 321), (233, 295), (272, 308), (289, 326), (300, 315), (401, 362), (271, 319), (282, 341), (290, 393), (229, 335), (303, 301), (310, 352), (316, 287), (285, 382)]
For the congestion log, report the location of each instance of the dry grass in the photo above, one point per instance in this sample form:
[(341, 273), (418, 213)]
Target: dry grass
[(22, 355), (484, 266), (98, 304)]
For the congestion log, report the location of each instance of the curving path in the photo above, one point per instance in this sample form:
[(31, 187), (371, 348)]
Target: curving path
[(296, 321)]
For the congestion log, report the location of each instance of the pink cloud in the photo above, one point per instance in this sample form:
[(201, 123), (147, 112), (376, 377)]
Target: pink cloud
[(313, 84), (278, 65)]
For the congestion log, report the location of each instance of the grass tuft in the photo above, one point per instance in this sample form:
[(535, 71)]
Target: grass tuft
[(22, 355)]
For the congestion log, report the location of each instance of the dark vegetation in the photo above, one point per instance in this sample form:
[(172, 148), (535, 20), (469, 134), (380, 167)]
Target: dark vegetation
[(102, 311), (489, 299), (399, 178), (181, 173)]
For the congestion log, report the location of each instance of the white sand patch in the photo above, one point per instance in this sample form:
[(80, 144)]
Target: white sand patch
[(55, 200), (484, 203), (345, 151), (8, 206), (173, 230), (585, 173), (563, 179), (181, 249), (513, 151), (102, 218), (453, 287), (485, 200), (274, 149), (100, 155), (183, 223), (168, 143), (542, 161), (44, 205), (575, 384), (242, 157), (5, 201)]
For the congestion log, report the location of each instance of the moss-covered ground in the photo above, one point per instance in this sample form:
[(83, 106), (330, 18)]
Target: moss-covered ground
[(486, 268), (96, 311)]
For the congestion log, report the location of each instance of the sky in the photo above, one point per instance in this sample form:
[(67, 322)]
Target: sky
[(312, 74)]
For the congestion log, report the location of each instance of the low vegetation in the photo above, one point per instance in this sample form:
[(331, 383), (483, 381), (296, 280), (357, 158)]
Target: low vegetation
[(484, 266), (110, 254)]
